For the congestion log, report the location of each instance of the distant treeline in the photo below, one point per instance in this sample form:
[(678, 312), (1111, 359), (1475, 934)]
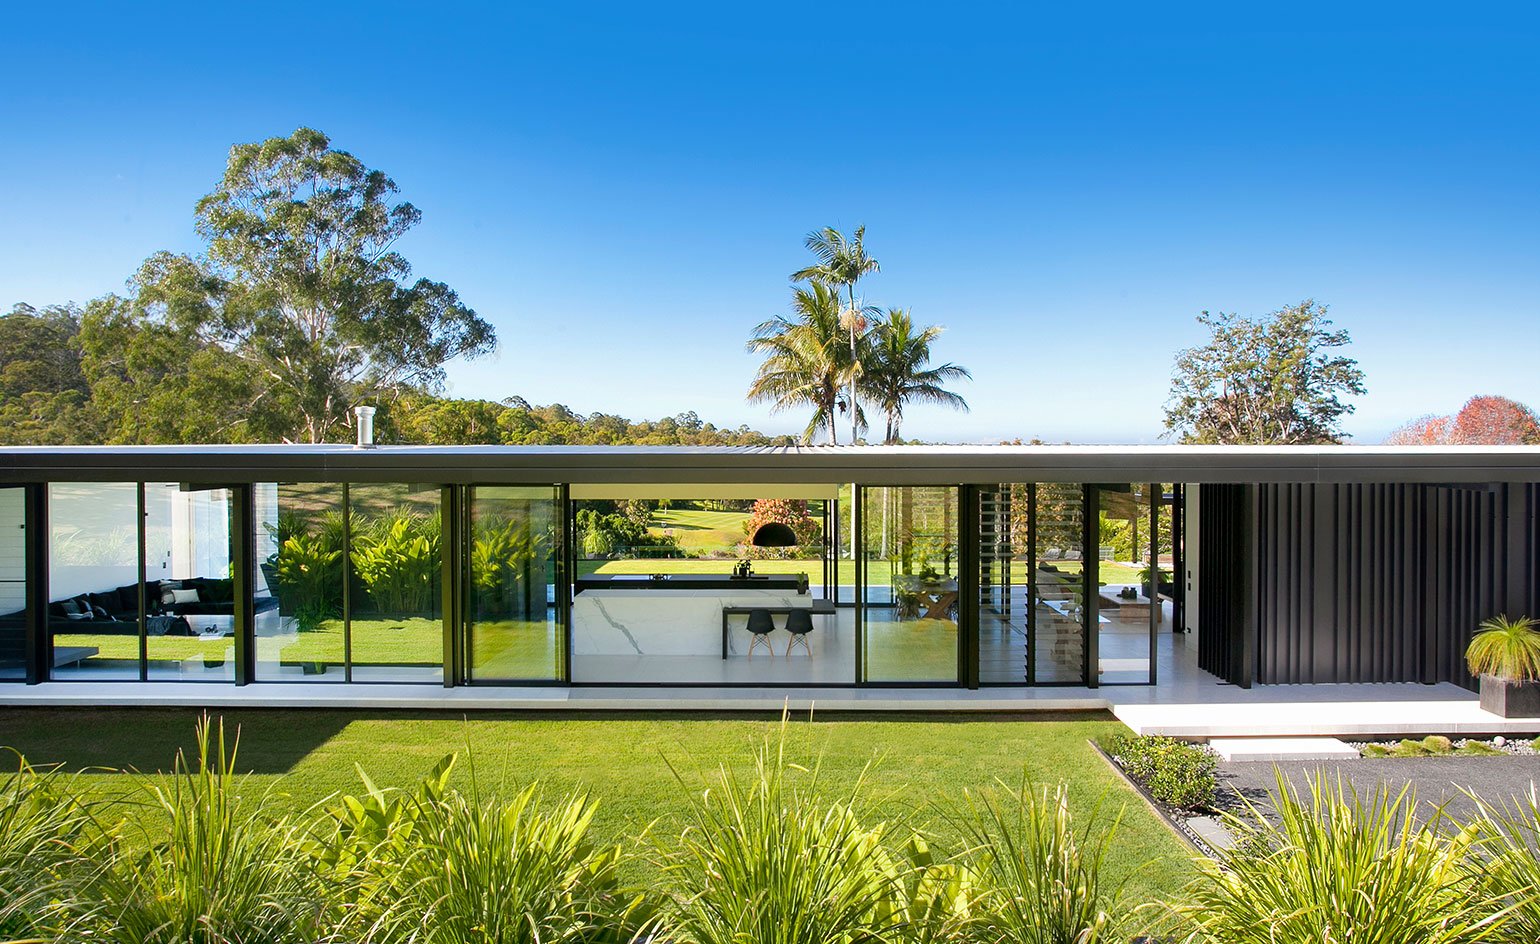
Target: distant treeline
[(72, 376)]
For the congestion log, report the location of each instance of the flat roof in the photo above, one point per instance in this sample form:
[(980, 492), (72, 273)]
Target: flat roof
[(809, 465)]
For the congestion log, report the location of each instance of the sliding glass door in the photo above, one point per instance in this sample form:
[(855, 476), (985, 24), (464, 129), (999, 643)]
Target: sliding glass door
[(13, 583), (910, 588), (513, 624)]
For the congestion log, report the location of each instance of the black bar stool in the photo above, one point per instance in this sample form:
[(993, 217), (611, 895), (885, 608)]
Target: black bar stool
[(799, 623), (761, 624)]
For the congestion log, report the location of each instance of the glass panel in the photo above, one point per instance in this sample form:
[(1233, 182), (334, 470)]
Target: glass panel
[(1123, 626), (910, 587), (1051, 523), (190, 629), (299, 580), (515, 632), (396, 622), (1003, 588), (661, 597), (13, 583), (93, 580)]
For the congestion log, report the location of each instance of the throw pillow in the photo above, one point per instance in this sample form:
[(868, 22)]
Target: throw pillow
[(182, 596), (100, 613)]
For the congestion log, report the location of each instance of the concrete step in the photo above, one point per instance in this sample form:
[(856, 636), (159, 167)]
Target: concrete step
[(1282, 748)]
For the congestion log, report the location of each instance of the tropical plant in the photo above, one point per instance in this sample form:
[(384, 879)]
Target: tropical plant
[(897, 371), (768, 859), (1039, 875), (502, 553), (805, 360), (1325, 865), (1506, 648), (47, 847), (398, 561), (309, 577), (842, 263), (215, 867)]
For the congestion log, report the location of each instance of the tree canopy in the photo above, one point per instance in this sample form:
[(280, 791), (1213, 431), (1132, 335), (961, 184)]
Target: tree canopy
[(1482, 421), (303, 284), (898, 370), (1275, 380)]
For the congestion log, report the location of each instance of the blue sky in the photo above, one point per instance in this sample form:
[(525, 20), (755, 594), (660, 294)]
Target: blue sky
[(623, 190)]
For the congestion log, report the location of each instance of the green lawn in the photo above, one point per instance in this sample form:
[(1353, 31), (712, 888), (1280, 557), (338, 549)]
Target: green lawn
[(922, 764), (697, 530)]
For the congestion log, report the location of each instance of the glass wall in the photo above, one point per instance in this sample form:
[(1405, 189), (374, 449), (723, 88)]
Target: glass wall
[(1129, 607), (1054, 530), (395, 618), (909, 584), (93, 580), (300, 550), (13, 584), (514, 632), (1031, 606), (189, 563)]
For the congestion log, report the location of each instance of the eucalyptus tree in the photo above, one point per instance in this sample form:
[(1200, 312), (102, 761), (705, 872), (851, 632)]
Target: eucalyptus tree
[(302, 280), (898, 370), (842, 263), (805, 360)]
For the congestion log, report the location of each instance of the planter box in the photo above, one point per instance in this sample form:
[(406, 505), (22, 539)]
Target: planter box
[(1510, 699)]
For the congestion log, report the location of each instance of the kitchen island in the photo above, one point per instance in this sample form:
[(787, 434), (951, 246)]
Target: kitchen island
[(670, 614)]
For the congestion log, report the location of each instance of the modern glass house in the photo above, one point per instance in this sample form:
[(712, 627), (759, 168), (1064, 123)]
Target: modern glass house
[(961, 567)]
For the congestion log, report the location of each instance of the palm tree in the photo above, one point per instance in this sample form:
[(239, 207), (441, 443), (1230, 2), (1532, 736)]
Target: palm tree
[(841, 264), (897, 371), (805, 359)]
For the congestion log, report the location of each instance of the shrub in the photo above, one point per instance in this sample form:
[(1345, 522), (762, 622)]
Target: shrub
[(1479, 748), (768, 859), (1509, 837), (1326, 866), (1437, 744), (46, 847), (1039, 877), (436, 865), (1176, 773), (215, 868)]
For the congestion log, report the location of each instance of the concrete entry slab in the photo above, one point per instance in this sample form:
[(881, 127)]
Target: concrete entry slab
[(1282, 748)]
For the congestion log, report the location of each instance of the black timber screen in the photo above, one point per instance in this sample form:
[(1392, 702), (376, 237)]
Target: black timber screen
[(1380, 582)]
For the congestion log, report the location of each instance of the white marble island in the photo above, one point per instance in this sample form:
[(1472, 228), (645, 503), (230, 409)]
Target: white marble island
[(677, 615)]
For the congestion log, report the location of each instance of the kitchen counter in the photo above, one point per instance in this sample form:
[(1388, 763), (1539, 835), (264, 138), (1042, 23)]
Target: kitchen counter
[(794, 582)]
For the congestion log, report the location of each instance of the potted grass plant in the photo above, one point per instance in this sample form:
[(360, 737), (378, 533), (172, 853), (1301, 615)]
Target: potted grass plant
[(1505, 653)]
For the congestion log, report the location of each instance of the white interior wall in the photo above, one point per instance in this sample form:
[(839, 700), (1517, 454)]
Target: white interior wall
[(93, 542), (13, 550)]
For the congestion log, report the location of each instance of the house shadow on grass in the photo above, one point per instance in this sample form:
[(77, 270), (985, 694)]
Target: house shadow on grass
[(274, 741), (146, 740)]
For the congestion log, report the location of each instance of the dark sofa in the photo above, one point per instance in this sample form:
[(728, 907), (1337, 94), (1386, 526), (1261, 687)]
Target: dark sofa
[(117, 610)]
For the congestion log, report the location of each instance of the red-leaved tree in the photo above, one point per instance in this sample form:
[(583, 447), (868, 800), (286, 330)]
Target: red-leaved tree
[(1482, 421), (790, 512)]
